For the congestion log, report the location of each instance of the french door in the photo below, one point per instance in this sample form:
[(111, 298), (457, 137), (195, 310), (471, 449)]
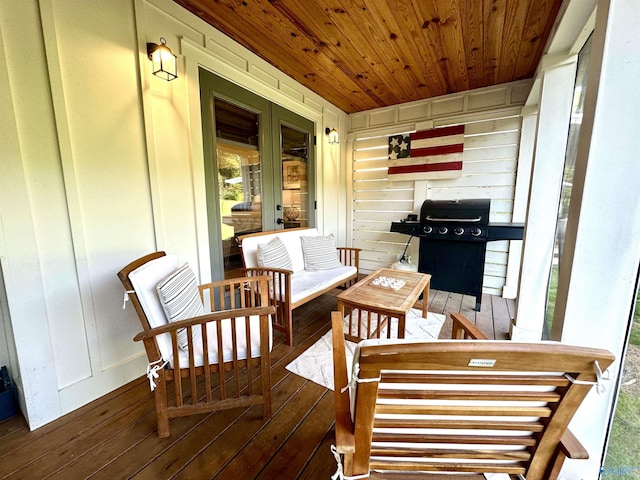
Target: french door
[(259, 174)]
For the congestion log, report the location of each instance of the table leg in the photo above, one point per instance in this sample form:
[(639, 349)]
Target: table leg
[(425, 301), (401, 325)]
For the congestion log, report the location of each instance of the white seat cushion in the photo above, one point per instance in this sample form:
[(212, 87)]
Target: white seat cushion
[(305, 283), (145, 280), (227, 346)]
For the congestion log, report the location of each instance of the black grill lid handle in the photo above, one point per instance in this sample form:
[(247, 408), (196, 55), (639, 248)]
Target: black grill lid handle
[(462, 220)]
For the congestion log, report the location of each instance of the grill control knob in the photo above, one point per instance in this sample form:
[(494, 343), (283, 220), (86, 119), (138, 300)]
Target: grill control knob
[(442, 230), (427, 229), (458, 230), (476, 232)]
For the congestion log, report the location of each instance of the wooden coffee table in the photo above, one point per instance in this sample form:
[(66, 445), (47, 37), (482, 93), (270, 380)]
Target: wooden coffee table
[(370, 308)]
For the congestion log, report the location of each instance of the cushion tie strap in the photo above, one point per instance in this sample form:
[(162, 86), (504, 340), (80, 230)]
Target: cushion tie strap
[(355, 379), (600, 388), (339, 475), (152, 371), (126, 298)]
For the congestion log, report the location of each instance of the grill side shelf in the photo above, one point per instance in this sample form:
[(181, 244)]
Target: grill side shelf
[(505, 231), (408, 228)]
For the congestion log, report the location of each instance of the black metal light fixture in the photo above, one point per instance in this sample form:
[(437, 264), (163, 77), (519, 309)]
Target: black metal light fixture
[(332, 133), (164, 62)]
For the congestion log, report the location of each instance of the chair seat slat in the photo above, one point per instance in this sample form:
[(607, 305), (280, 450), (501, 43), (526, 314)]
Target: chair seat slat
[(494, 424), (454, 410), (410, 394), (511, 440)]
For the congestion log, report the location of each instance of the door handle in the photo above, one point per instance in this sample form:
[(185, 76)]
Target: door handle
[(278, 207), (279, 221)]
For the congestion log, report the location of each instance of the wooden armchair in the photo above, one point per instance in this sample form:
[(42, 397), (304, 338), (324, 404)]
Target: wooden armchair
[(215, 360), (466, 406)]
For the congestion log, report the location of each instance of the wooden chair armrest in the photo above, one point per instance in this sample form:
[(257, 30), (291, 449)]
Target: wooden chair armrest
[(256, 278), (462, 328), (203, 319), (259, 271), (345, 442), (572, 447)]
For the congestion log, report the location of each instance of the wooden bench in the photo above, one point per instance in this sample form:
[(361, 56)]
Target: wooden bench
[(293, 287), (469, 406)]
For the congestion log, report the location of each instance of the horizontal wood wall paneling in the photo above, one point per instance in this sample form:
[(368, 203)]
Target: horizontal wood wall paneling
[(383, 195), (494, 153), (491, 144), (384, 183), (377, 205), (388, 216)]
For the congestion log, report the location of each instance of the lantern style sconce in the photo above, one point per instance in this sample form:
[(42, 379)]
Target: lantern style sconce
[(332, 133), (163, 60)]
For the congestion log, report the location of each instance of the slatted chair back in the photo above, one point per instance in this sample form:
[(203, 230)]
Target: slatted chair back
[(472, 406), (214, 361)]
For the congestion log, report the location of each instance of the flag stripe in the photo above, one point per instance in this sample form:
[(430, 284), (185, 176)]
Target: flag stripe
[(434, 142), (448, 174), (452, 157), (428, 167), (438, 132), (441, 150)]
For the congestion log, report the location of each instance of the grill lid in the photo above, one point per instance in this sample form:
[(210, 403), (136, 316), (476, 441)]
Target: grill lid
[(475, 211)]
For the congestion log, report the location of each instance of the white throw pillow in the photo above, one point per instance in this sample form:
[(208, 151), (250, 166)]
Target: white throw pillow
[(180, 300), (320, 253), (274, 255)]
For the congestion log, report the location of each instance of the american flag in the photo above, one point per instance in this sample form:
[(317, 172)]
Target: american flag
[(426, 155)]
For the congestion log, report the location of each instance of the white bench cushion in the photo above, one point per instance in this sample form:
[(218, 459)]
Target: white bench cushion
[(305, 283)]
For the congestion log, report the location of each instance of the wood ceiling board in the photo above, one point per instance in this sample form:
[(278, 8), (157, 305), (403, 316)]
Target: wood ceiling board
[(365, 54)]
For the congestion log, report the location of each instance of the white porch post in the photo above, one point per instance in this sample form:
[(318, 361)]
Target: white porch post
[(554, 114), (523, 180), (602, 246)]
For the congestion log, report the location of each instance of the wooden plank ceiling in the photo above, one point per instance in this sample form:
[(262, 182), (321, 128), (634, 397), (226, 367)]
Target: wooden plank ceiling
[(364, 54)]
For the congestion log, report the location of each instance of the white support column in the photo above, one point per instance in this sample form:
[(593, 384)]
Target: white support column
[(523, 180), (558, 78), (602, 245)]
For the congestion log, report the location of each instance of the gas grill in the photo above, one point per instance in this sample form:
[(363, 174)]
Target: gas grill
[(453, 242)]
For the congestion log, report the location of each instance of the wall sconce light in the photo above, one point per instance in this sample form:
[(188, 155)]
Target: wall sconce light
[(332, 133), (163, 60)]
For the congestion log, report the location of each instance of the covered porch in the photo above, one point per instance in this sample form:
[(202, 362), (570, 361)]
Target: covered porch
[(115, 435)]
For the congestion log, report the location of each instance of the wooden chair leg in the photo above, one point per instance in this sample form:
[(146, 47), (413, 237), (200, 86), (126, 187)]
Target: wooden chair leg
[(288, 323), (266, 389), (162, 418)]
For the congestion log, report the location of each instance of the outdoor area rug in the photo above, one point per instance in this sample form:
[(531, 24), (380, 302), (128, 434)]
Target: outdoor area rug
[(316, 363)]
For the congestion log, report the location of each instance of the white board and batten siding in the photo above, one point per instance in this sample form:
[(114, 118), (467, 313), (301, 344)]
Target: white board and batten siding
[(491, 141)]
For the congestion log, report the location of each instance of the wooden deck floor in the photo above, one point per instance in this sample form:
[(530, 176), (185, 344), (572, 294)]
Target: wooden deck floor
[(114, 437)]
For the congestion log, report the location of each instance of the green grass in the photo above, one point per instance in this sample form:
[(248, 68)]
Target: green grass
[(551, 298), (622, 460)]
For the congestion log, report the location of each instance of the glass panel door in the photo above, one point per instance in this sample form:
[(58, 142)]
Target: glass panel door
[(239, 179), (295, 184), (258, 160), (296, 205)]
